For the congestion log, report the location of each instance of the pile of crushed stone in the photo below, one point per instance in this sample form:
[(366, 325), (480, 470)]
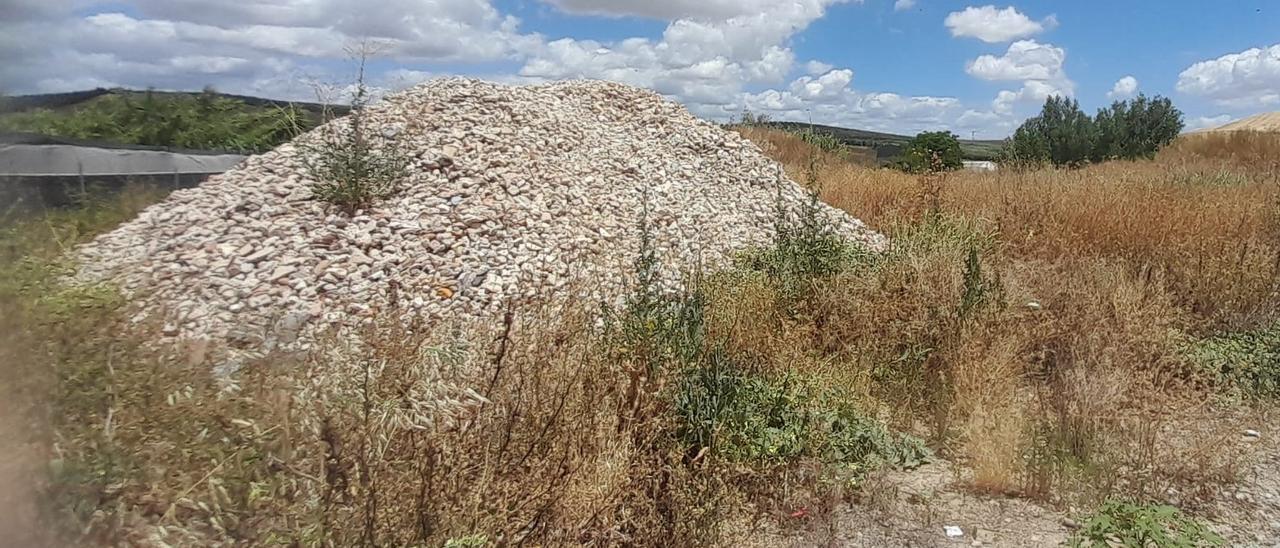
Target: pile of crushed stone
[(513, 193)]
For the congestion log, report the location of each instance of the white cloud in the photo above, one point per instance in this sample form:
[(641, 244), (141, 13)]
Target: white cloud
[(1024, 60), (1125, 88), (1248, 79), (826, 88), (903, 5), (992, 25), (1032, 92), (1040, 68), (256, 47), (831, 99), (817, 68), (671, 10), (705, 63), (1208, 122)]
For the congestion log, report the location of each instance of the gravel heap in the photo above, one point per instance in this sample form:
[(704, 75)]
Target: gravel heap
[(513, 193)]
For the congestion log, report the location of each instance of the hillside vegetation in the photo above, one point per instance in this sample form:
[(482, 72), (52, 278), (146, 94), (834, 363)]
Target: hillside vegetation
[(199, 121), (1069, 337)]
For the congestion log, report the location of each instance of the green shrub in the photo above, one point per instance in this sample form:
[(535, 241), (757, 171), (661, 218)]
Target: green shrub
[(825, 142), (1119, 523), (350, 167), (1248, 361), (469, 541), (735, 411), (931, 152), (805, 248), (754, 418)]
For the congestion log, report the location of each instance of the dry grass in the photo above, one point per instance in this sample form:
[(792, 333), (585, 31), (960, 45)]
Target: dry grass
[(789, 149), (1101, 275), (1255, 151)]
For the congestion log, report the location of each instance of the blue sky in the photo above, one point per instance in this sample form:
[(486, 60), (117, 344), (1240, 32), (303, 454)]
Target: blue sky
[(895, 65)]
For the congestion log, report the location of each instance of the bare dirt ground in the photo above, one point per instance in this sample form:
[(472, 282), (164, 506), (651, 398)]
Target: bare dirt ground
[(912, 509), (19, 473), (1248, 514)]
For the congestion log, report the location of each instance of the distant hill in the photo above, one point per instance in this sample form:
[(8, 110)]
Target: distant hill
[(889, 145), (1267, 121), (72, 100)]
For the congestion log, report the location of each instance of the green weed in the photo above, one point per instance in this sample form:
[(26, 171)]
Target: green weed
[(1119, 523)]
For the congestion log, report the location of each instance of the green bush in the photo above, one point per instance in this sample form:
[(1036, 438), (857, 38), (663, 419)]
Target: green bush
[(738, 412), (805, 248), (930, 152), (1118, 523), (753, 418), (349, 166), (1248, 361), (825, 142)]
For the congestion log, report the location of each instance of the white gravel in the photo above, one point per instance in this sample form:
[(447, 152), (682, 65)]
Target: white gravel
[(513, 193)]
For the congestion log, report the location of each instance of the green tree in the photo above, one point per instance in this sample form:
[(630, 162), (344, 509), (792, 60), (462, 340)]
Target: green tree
[(932, 151), (1137, 128), (1062, 134), (1027, 148)]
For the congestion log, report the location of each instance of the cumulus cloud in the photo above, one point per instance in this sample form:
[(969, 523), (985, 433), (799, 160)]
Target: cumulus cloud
[(1125, 88), (1040, 68), (706, 63), (669, 9), (1024, 60), (831, 99), (817, 68), (261, 46), (992, 25), (1250, 78), (1032, 92), (903, 5)]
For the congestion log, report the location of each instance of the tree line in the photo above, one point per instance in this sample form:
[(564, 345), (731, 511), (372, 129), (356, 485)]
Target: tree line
[(204, 121), (1063, 135)]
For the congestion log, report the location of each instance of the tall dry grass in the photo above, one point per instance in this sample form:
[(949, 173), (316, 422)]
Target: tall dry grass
[(1254, 151), (1071, 385)]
